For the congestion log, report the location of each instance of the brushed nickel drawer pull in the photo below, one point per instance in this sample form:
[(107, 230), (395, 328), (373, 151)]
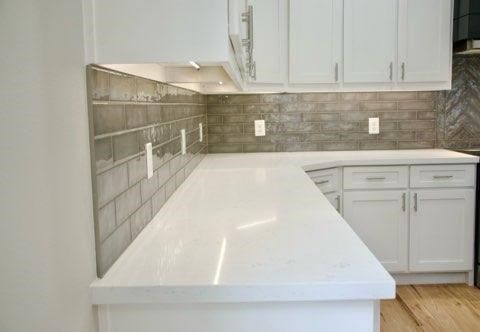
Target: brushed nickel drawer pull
[(322, 182), (404, 196), (443, 176), (415, 202), (376, 178), (338, 202)]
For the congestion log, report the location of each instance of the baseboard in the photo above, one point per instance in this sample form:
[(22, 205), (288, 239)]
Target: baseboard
[(432, 278)]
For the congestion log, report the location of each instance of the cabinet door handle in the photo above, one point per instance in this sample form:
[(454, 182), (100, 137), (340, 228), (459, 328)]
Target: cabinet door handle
[(442, 177), (322, 182), (415, 202), (391, 71), (371, 178), (336, 72), (404, 197), (403, 71), (338, 202)]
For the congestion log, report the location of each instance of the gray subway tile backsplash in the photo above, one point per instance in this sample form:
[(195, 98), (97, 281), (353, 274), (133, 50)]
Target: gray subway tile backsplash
[(128, 112), (140, 218), (128, 202), (108, 118), (111, 183), (321, 121)]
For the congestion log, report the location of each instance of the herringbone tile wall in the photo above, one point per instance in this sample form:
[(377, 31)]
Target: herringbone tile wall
[(458, 110)]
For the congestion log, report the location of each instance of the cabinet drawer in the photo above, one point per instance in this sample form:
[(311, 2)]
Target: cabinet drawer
[(434, 176), (327, 180), (375, 177)]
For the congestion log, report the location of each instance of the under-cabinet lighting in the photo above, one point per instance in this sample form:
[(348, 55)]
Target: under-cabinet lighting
[(220, 82), (194, 65)]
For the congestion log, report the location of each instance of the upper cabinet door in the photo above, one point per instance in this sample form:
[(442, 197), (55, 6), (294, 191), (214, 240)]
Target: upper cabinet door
[(315, 41), (424, 40), (370, 40), (269, 37)]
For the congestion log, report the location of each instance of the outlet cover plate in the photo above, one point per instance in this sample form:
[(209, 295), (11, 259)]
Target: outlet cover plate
[(374, 126), (259, 127)]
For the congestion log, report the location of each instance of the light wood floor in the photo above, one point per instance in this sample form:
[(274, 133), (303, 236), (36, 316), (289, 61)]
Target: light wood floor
[(432, 308)]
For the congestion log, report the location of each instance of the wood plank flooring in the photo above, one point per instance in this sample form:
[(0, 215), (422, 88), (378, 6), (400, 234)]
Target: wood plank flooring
[(432, 308)]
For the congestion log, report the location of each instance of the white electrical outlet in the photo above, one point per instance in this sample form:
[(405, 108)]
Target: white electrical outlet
[(200, 132), (259, 127), (373, 126), (183, 141), (148, 152)]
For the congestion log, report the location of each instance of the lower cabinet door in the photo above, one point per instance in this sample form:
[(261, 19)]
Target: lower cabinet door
[(336, 200), (442, 230), (380, 219)]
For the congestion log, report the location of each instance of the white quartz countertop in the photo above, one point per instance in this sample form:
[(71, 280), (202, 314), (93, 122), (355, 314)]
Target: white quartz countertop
[(253, 228)]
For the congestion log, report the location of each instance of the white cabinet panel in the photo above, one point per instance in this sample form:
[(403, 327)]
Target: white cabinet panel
[(336, 200), (375, 177), (269, 32), (370, 40), (442, 230), (237, 30), (315, 41), (380, 219), (438, 176), (424, 40), (327, 180)]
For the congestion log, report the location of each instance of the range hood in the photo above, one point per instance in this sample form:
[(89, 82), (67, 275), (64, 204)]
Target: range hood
[(466, 26)]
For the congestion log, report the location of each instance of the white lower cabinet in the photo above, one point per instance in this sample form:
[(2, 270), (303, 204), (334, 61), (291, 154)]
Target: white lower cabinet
[(336, 200), (380, 219), (442, 230), (414, 219)]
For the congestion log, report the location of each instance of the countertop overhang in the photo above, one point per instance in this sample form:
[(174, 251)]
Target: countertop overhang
[(255, 228)]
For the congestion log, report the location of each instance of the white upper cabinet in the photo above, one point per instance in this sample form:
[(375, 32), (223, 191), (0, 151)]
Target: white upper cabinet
[(370, 41), (424, 41), (279, 45), (268, 41), (237, 29), (315, 41)]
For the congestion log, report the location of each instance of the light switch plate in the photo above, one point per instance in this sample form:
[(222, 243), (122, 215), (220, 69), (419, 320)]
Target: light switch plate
[(200, 132), (259, 127), (183, 141), (373, 126), (148, 151)]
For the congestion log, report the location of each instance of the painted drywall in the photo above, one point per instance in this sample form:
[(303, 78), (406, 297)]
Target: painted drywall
[(46, 225)]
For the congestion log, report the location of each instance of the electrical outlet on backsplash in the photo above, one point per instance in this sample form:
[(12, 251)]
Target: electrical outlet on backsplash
[(322, 121), (127, 113)]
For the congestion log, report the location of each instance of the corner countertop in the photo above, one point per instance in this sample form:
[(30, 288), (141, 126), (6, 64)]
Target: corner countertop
[(254, 228)]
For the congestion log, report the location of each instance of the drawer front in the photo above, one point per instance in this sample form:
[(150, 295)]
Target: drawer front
[(375, 177), (434, 176), (327, 180)]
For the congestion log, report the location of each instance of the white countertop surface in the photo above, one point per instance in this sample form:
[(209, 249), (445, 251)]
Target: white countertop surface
[(254, 227)]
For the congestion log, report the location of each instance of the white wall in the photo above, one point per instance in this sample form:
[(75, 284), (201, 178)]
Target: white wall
[(46, 223)]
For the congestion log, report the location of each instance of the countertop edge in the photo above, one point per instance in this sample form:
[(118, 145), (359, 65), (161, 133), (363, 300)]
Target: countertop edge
[(243, 293)]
